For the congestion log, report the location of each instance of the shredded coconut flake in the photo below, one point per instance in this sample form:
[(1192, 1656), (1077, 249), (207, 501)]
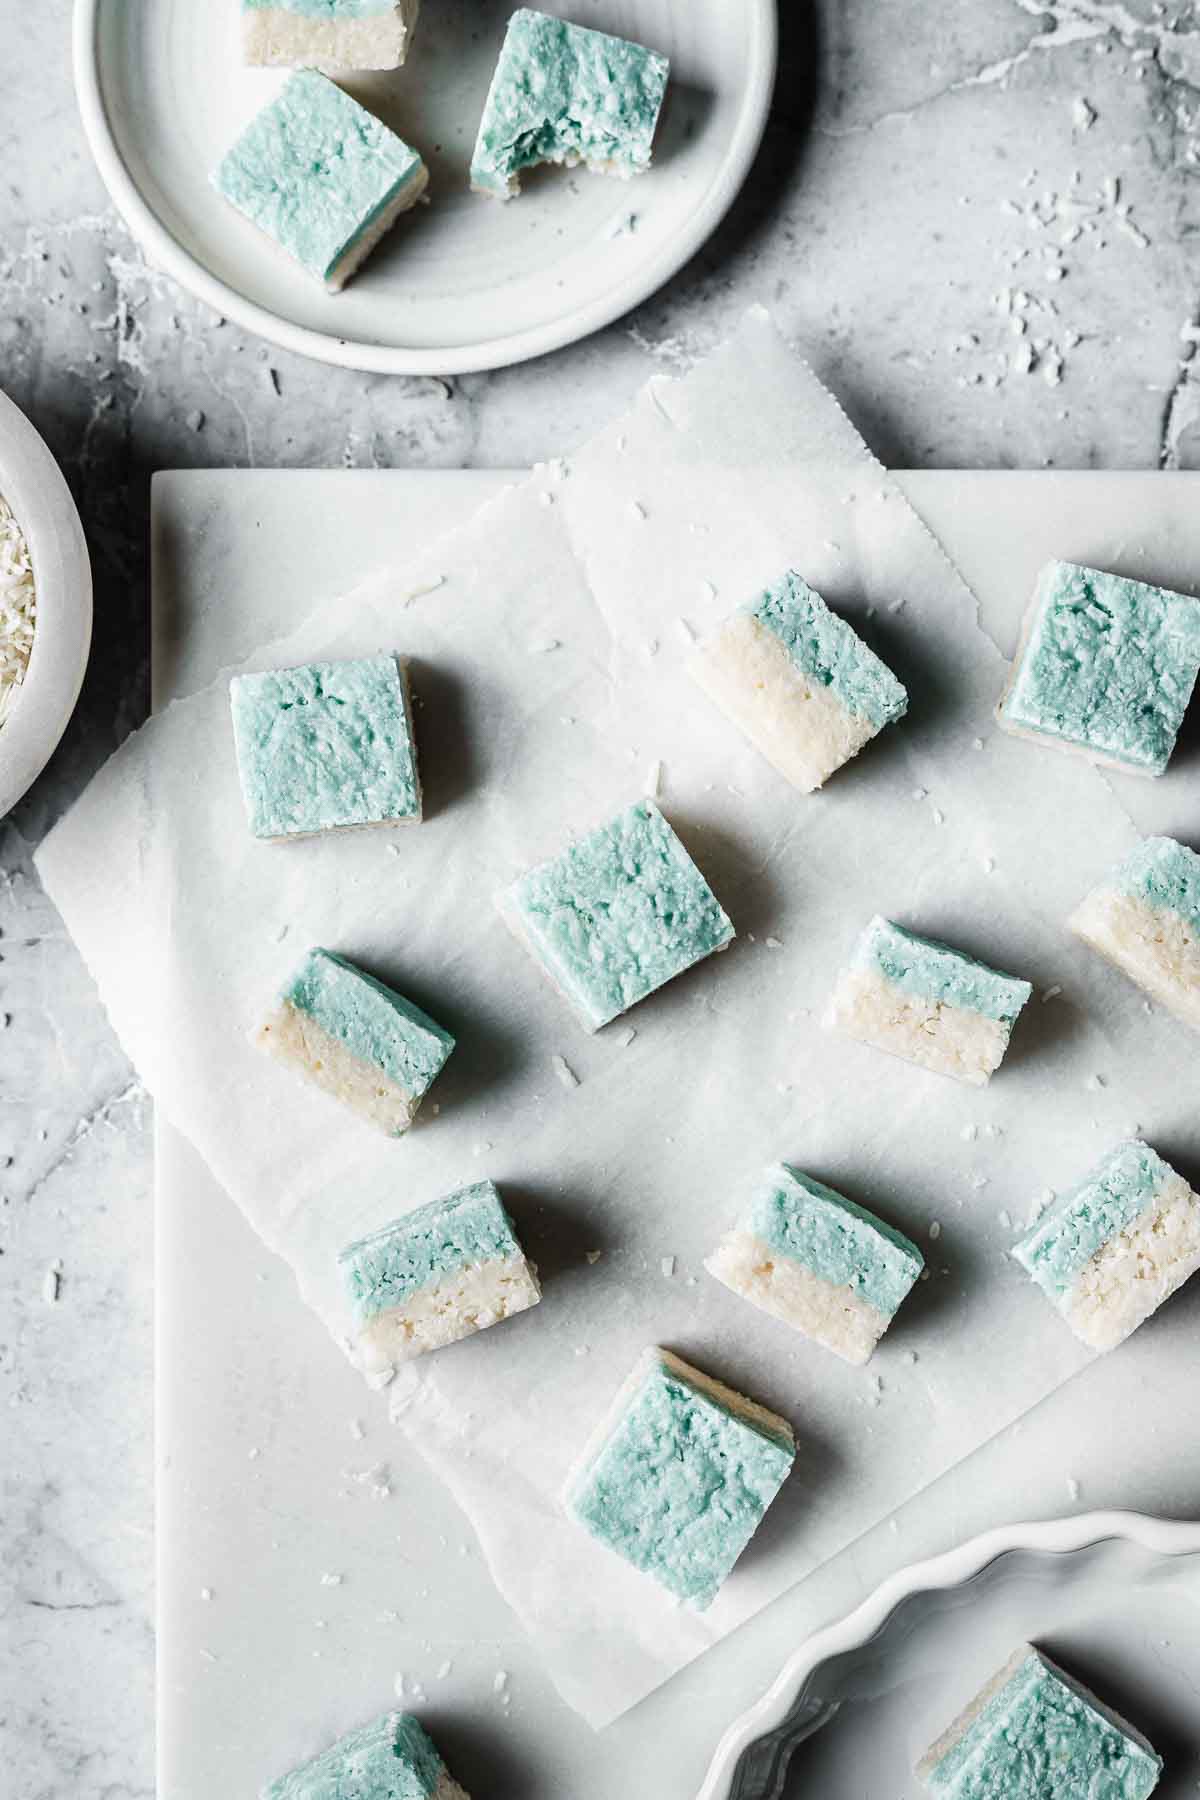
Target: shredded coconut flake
[(18, 609)]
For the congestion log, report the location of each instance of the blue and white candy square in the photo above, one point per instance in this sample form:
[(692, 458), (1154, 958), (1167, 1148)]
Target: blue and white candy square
[(439, 1274), (617, 914), (1106, 667), (327, 34), (1115, 1246), (393, 1758), (918, 999), (678, 1476), (357, 1040), (1035, 1733), (321, 176), (799, 682), (1144, 918), (563, 93), (817, 1261), (326, 747)]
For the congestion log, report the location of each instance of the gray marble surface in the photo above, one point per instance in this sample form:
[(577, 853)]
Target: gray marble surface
[(980, 220)]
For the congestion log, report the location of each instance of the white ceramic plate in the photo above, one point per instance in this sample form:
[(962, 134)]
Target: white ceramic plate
[(465, 283), (1115, 1596)]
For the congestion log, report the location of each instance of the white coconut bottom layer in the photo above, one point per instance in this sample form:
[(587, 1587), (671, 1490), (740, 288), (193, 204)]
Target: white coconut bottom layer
[(836, 1317), (295, 1039), (467, 1300), (748, 1411), (274, 37), (362, 247), (929, 1764), (950, 1040), (1131, 1275), (565, 159), (1153, 946), (802, 728)]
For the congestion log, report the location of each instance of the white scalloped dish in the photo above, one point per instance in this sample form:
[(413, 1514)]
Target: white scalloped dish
[(1114, 1596)]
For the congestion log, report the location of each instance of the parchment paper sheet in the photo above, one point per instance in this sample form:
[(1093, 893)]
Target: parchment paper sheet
[(547, 644)]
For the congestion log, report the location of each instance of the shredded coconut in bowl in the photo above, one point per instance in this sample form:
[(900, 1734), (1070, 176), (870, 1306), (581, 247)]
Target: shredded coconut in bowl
[(18, 609)]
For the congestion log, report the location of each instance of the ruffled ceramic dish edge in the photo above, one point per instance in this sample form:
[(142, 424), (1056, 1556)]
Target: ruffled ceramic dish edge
[(33, 485), (167, 254), (772, 1715)]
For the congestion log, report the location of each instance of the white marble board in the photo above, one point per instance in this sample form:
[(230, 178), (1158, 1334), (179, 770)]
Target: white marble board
[(259, 1464)]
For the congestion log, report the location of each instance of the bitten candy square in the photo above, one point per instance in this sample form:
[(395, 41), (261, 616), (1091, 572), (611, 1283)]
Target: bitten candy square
[(918, 999), (1145, 919), (618, 914), (817, 1261), (562, 93), (394, 1758), (1034, 1733), (447, 1270), (799, 682), (357, 1040), (1106, 667), (323, 177), (678, 1476), (1112, 1249), (327, 34), (325, 747)]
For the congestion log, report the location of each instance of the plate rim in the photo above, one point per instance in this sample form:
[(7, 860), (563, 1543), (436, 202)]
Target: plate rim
[(949, 1569), (165, 253)]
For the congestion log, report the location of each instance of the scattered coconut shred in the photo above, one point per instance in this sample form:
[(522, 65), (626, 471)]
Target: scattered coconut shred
[(18, 609)]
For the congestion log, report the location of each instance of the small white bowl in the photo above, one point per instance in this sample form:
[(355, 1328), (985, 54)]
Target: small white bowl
[(32, 484), (877, 1687)]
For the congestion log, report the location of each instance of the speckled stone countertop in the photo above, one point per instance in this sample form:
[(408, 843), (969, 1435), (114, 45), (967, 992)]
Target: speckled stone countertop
[(980, 220)]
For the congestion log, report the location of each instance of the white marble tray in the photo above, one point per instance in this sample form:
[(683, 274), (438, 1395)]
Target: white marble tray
[(259, 1471), (464, 283)]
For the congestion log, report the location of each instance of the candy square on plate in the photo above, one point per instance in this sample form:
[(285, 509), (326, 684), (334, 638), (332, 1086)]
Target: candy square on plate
[(679, 1475), (1106, 667), (817, 1261), (1112, 1249), (799, 682), (618, 914), (323, 177), (439, 1274), (325, 747), (327, 34), (1145, 919), (393, 1758), (1034, 1733), (357, 1040), (918, 999), (562, 93)]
